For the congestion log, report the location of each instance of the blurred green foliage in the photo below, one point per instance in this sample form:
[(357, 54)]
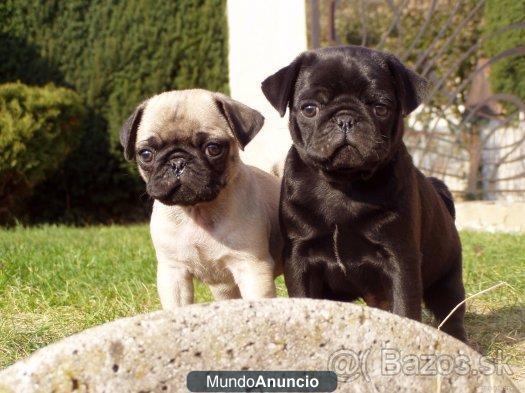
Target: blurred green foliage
[(507, 75), (114, 54), (40, 126)]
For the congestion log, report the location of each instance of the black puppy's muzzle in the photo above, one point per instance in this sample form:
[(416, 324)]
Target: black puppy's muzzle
[(345, 121)]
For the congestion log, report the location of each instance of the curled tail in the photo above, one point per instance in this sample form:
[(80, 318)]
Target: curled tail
[(445, 194)]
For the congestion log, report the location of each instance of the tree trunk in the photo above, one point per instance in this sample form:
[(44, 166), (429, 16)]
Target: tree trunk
[(473, 189), (332, 33), (315, 24)]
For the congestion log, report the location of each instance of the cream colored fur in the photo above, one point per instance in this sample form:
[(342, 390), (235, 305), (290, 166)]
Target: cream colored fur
[(232, 243)]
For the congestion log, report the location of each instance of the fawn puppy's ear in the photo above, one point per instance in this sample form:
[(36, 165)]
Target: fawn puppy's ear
[(244, 121), (128, 132)]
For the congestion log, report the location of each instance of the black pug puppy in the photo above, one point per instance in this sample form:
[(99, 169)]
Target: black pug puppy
[(359, 219)]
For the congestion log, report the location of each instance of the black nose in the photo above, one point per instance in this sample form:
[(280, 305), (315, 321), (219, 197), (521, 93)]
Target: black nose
[(345, 122), (177, 164)]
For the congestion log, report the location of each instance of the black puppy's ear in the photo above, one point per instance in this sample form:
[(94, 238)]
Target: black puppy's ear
[(412, 87), (277, 88), (128, 132), (244, 121)]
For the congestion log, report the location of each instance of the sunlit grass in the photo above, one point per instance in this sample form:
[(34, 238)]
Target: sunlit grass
[(56, 281)]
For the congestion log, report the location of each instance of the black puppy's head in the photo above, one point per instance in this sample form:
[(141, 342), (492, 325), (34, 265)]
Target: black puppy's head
[(186, 143), (346, 106)]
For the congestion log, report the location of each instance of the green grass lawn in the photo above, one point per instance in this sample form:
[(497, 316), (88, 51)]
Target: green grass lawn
[(55, 281)]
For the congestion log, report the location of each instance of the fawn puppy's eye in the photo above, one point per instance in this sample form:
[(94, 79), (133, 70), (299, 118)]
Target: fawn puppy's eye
[(310, 110), (145, 155), (213, 149)]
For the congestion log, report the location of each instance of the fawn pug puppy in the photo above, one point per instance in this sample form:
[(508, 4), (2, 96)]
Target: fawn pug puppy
[(359, 219), (213, 217)]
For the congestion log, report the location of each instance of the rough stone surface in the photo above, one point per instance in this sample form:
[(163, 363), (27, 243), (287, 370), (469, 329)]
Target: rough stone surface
[(490, 216), (154, 352)]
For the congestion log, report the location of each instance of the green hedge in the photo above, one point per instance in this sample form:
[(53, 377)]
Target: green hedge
[(38, 128), (507, 75), (114, 54)]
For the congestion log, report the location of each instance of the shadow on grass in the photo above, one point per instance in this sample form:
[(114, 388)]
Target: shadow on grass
[(496, 329), (500, 334)]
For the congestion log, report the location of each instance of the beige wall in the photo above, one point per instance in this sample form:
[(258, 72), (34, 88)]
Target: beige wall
[(264, 36), (491, 216)]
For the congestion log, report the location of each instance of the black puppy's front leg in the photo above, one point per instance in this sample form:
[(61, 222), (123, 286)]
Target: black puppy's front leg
[(303, 252), (407, 288), (302, 279)]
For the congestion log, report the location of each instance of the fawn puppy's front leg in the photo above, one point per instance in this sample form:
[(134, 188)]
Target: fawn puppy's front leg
[(255, 278), (174, 285)]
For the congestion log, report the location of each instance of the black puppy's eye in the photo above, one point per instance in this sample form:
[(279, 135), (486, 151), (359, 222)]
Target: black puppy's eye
[(310, 110), (146, 155), (380, 110), (213, 149)]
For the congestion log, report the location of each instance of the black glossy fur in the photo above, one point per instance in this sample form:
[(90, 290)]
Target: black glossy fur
[(359, 219)]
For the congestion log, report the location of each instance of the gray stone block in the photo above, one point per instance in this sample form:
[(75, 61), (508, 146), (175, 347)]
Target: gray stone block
[(154, 352)]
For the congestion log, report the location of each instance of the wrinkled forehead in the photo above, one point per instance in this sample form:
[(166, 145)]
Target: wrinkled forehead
[(177, 115), (346, 73)]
